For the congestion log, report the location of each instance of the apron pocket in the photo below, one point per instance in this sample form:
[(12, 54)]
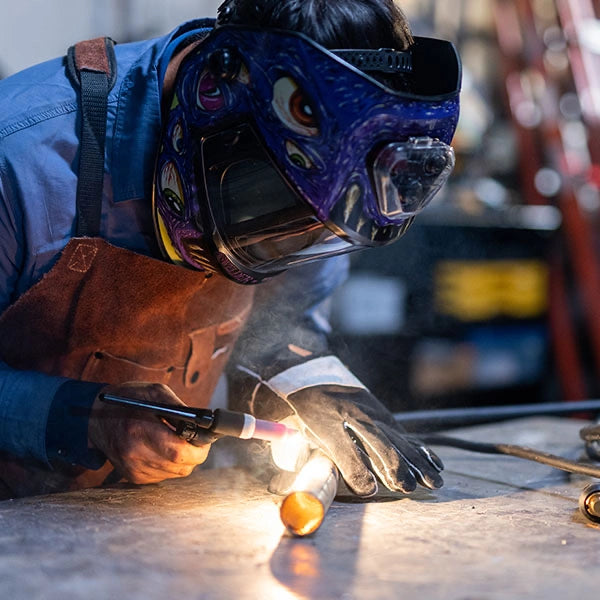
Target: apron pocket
[(103, 367)]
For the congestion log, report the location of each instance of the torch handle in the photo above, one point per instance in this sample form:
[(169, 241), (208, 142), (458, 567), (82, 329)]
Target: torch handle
[(203, 417)]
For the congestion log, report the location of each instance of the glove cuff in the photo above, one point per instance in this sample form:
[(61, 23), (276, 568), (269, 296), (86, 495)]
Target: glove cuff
[(325, 370)]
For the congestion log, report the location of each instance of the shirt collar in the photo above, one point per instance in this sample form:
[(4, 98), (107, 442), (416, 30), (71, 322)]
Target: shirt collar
[(137, 124)]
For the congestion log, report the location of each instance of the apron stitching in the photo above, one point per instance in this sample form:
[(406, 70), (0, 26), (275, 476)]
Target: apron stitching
[(82, 257)]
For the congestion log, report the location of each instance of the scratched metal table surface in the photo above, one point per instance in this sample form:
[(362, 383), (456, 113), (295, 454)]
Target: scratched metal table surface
[(501, 528)]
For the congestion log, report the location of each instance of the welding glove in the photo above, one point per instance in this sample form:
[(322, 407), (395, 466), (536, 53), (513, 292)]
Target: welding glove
[(358, 434)]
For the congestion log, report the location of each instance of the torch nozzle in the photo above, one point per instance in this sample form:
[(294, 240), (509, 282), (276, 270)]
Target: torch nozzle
[(245, 426), (272, 431)]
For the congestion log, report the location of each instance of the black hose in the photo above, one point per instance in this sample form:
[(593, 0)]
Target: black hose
[(511, 450)]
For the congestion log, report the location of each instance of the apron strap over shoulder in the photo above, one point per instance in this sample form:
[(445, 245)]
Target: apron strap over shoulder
[(92, 68)]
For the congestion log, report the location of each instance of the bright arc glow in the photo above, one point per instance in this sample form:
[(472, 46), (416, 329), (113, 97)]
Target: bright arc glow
[(314, 473), (290, 452)]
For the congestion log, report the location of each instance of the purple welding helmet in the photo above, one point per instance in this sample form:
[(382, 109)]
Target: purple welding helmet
[(277, 151)]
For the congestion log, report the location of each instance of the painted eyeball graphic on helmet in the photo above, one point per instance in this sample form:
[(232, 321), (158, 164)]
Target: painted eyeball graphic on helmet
[(243, 75), (297, 157), (208, 93), (294, 108), (177, 137), (171, 188)]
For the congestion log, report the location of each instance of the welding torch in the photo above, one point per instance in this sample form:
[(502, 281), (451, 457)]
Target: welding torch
[(306, 502), (192, 424)]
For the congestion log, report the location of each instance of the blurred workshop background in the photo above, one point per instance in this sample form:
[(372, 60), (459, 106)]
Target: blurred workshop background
[(493, 295)]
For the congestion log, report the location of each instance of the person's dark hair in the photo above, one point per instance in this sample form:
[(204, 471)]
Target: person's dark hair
[(331, 23)]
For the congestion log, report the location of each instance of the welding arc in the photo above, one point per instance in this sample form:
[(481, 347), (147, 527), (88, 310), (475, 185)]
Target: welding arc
[(552, 460)]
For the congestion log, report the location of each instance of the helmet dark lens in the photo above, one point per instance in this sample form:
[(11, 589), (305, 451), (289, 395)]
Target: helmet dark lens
[(259, 222), (252, 191)]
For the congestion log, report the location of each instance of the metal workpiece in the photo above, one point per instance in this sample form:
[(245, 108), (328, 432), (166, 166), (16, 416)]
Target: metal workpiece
[(312, 492), (589, 502)]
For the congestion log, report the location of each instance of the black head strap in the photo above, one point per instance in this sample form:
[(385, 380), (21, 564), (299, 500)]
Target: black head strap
[(384, 60)]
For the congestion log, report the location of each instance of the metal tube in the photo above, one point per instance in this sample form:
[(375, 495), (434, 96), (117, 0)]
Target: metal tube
[(305, 506)]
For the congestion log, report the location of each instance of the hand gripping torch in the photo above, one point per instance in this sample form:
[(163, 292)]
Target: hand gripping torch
[(192, 424)]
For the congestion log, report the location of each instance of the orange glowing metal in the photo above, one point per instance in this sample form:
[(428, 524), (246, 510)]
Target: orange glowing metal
[(305, 506), (302, 513)]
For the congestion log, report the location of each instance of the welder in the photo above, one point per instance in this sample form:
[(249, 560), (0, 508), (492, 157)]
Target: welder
[(146, 187)]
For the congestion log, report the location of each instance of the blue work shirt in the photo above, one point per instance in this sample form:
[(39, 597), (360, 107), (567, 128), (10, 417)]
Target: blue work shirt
[(39, 155)]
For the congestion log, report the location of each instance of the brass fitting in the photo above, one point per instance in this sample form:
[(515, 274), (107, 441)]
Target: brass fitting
[(589, 502)]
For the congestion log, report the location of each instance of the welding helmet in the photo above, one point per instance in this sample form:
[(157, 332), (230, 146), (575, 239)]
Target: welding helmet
[(277, 151)]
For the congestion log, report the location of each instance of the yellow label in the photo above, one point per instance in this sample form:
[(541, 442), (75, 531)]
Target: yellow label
[(481, 290)]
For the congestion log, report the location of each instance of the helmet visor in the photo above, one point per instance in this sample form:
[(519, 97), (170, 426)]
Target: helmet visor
[(259, 222)]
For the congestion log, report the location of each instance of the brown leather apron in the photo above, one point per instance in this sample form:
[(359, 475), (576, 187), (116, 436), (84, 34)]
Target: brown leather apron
[(105, 314)]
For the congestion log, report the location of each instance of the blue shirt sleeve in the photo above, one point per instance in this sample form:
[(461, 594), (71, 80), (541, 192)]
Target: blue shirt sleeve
[(25, 396), (41, 416), (67, 426), (45, 417), (25, 399)]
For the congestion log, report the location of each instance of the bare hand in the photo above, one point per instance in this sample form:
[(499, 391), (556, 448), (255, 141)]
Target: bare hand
[(140, 446)]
